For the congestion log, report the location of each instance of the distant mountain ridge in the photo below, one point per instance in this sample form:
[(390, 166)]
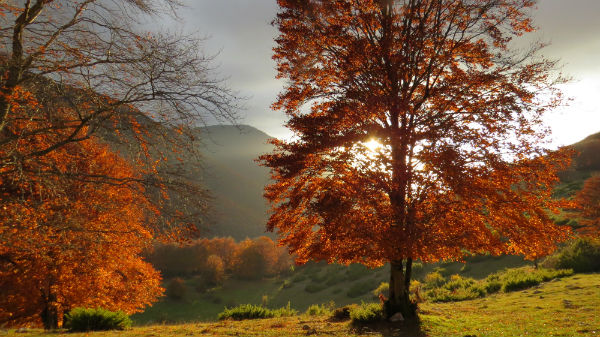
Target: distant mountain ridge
[(235, 179)]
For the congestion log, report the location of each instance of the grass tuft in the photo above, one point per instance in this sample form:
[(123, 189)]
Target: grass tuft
[(249, 311)]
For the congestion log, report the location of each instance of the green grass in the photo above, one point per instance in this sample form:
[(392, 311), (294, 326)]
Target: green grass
[(327, 283), (563, 307), (568, 307)]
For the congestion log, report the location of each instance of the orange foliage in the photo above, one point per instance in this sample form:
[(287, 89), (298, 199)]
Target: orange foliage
[(461, 167), (66, 241), (588, 200), (215, 258)]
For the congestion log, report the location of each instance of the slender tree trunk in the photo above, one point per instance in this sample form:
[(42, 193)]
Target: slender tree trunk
[(50, 313), (399, 300)]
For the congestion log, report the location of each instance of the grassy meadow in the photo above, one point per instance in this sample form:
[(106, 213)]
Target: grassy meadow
[(314, 283), (562, 307)]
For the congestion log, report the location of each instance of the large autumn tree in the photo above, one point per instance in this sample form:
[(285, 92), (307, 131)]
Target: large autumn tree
[(417, 134)]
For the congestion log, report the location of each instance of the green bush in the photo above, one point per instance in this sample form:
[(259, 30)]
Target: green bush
[(319, 310), (84, 319), (459, 294), (457, 289), (445, 272), (459, 282), (176, 288), (434, 280), (245, 311), (492, 284), (360, 288), (366, 313), (582, 255), (286, 311), (286, 284), (384, 288), (523, 278), (417, 267), (249, 311), (343, 313)]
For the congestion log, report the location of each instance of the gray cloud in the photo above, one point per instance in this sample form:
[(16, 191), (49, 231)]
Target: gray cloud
[(241, 31)]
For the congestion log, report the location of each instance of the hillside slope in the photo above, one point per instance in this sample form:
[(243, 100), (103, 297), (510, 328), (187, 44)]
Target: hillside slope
[(565, 307), (235, 180), (585, 163)]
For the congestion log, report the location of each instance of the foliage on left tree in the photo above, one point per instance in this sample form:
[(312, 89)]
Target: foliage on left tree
[(588, 201), (72, 242), (74, 216)]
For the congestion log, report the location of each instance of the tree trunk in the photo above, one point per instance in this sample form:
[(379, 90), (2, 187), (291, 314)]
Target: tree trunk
[(50, 314), (399, 300)]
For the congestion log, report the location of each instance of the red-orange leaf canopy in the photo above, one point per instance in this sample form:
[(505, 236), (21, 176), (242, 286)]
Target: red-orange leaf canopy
[(458, 116)]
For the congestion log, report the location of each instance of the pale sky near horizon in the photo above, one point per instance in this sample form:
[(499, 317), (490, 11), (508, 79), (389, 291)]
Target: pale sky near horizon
[(240, 31)]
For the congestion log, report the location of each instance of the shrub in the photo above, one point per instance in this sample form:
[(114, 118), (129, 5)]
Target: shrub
[(457, 289), (523, 278), (176, 289), (83, 319), (285, 311), (366, 313), (417, 267), (360, 288), (249, 311), (415, 291), (434, 280), (245, 311), (286, 284), (582, 255), (492, 284), (319, 310), (343, 313), (518, 281), (458, 294), (458, 282), (384, 288)]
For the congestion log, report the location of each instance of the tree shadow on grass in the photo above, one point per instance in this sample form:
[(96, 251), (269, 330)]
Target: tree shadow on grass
[(390, 329)]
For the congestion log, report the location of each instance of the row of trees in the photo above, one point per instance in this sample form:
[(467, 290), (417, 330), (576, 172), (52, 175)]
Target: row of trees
[(217, 258), (75, 216)]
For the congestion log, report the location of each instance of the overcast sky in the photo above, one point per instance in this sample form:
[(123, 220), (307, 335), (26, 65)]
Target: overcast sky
[(240, 30)]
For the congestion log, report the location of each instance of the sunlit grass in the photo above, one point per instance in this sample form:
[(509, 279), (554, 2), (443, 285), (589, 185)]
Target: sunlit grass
[(563, 307)]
